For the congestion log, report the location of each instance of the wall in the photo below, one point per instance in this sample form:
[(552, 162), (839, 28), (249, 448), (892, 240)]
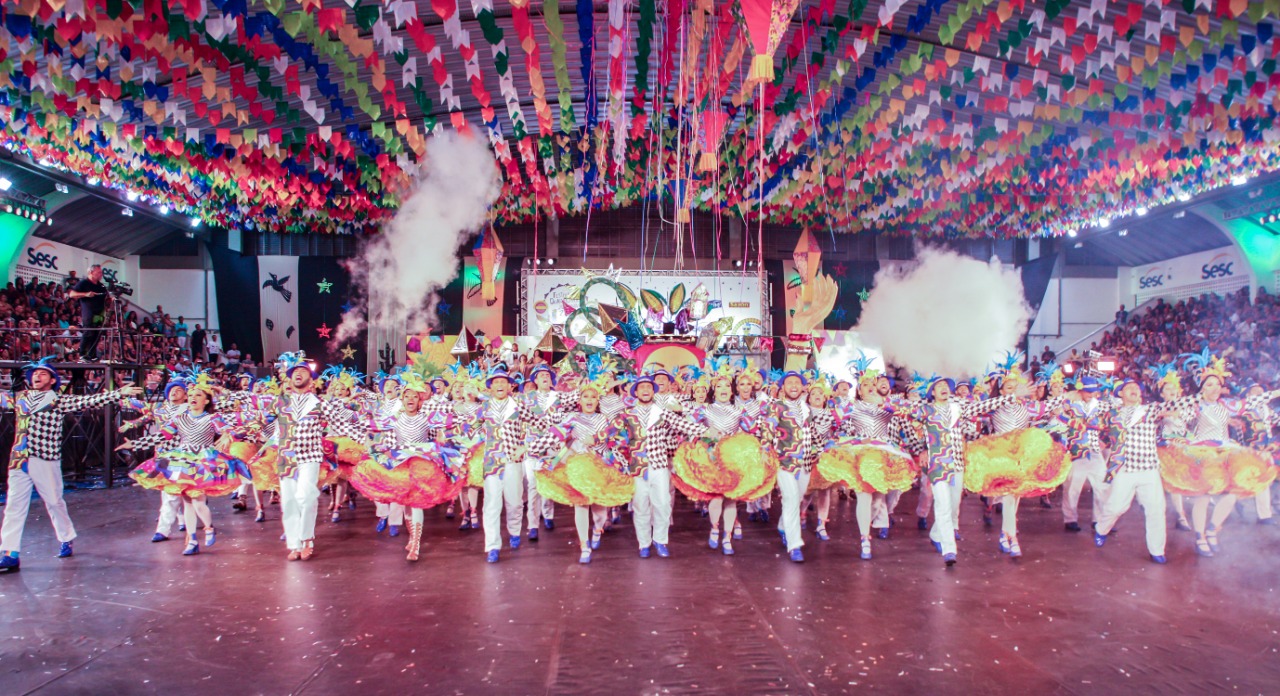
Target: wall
[(47, 260), (180, 284), (1073, 308), (1218, 270)]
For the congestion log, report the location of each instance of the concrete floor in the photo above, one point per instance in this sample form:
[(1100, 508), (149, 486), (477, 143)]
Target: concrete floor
[(125, 616)]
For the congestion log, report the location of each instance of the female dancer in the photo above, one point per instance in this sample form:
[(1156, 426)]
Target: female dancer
[(819, 395), (465, 401), (383, 418), (722, 417), (868, 420), (1173, 427), (175, 402), (748, 397), (342, 387), (189, 464)]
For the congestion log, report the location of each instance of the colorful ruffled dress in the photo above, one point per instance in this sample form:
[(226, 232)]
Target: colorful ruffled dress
[(186, 462)]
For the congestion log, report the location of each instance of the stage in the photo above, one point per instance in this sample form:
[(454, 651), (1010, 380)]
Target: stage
[(128, 616)]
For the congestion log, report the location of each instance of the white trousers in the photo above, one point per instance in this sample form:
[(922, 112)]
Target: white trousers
[(45, 476), (588, 519), (946, 511), (791, 488), (506, 487), (925, 502), (394, 512), (1009, 515), (1263, 499), (169, 507), (539, 507), (1148, 488), (651, 507), (298, 497), (1090, 468)]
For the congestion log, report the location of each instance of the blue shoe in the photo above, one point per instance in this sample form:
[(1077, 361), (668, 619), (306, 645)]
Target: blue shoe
[(515, 542), (193, 547), (937, 545), (753, 516), (382, 525), (182, 528), (883, 533), (663, 551), (950, 559), (492, 556), (764, 515), (922, 523), (1004, 543), (1099, 539), (644, 553), (64, 551), (585, 558), (617, 519), (533, 534), (395, 530), (727, 549), (9, 564), (1270, 521), (210, 536), (822, 534), (1159, 559), (714, 540), (797, 556), (957, 535), (737, 533), (595, 540), (158, 537), (549, 523), (784, 537), (866, 549)]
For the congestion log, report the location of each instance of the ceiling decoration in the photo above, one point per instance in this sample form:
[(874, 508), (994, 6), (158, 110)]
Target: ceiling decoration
[(960, 118)]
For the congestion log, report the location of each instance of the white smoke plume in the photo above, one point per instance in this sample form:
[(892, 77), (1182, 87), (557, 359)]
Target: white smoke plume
[(946, 314), (399, 270)]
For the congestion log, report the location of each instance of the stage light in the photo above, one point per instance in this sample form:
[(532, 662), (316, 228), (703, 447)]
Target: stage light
[(49, 221), (1079, 245), (537, 262), (131, 195), (1124, 232), (1068, 369), (1142, 210), (8, 208), (5, 184), (94, 181), (42, 218), (551, 262), (1180, 214), (62, 188), (195, 222), (1071, 233), (1184, 197), (1107, 365), (127, 212), (164, 210), (1104, 222), (737, 263), (1240, 180)]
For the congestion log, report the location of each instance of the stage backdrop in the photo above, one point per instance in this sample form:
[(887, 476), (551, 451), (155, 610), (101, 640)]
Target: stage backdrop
[(545, 296)]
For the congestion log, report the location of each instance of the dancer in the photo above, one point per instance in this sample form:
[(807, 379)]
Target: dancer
[(154, 418), (36, 458), (188, 465), (464, 398), (348, 434), (1258, 421), (1173, 427), (1085, 417), (551, 407), (389, 515), (721, 419), (790, 428), (1134, 469), (645, 435)]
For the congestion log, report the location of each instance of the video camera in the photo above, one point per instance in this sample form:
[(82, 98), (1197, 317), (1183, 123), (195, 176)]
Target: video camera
[(119, 289)]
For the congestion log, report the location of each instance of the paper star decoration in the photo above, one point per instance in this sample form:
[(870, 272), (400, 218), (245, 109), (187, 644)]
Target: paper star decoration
[(324, 330), (348, 353), (443, 308), (346, 308), (863, 294), (838, 314), (324, 286), (840, 269)]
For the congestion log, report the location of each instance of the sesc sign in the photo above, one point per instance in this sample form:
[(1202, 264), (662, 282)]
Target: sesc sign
[(1219, 266), (1154, 277), (43, 255)]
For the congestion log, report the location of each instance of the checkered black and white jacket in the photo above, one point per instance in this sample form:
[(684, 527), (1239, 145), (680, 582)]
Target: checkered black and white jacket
[(503, 428), (38, 430), (1136, 432), (644, 436)]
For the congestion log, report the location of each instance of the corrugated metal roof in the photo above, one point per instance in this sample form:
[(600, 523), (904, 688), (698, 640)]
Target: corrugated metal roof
[(97, 225)]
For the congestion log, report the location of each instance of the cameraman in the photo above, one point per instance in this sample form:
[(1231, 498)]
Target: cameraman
[(92, 295)]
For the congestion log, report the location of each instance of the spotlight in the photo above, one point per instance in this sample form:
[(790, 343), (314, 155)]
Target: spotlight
[(49, 221), (1142, 210), (1068, 369), (131, 195), (1180, 214), (1072, 233), (195, 222), (8, 208), (5, 184), (42, 218), (127, 212), (1104, 222), (62, 188), (164, 210), (1184, 197), (537, 262), (737, 263), (551, 262), (1107, 365), (1239, 180), (1079, 245), (1124, 232)]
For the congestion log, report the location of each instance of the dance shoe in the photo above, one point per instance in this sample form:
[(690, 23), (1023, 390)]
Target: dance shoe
[(883, 533), (64, 551), (1270, 521), (351, 503), (1211, 536), (595, 540), (1159, 559), (764, 515), (644, 552), (1004, 543), (1181, 525), (737, 532), (475, 522), (585, 558), (515, 542), (261, 517), (382, 526), (193, 547), (395, 530), (1071, 526), (448, 513), (663, 551), (182, 528), (957, 533), (822, 534), (796, 556), (714, 540), (158, 537), (210, 536), (987, 520), (549, 523), (866, 549), (937, 545), (922, 523), (784, 537), (466, 524), (334, 516), (949, 559), (1015, 551), (492, 556), (1203, 548), (727, 549), (9, 564), (533, 534), (1099, 539), (1044, 502)]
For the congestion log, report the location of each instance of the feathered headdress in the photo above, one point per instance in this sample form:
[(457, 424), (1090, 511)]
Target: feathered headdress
[(269, 385), (1010, 368), (819, 383), (1204, 365), (1050, 373), (288, 362), (1167, 373), (42, 364), (597, 378), (861, 369), (921, 384), (413, 381), (201, 381)]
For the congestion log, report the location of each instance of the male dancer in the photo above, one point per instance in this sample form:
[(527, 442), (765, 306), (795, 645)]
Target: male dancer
[(36, 458), (1085, 418), (504, 426), (551, 406)]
